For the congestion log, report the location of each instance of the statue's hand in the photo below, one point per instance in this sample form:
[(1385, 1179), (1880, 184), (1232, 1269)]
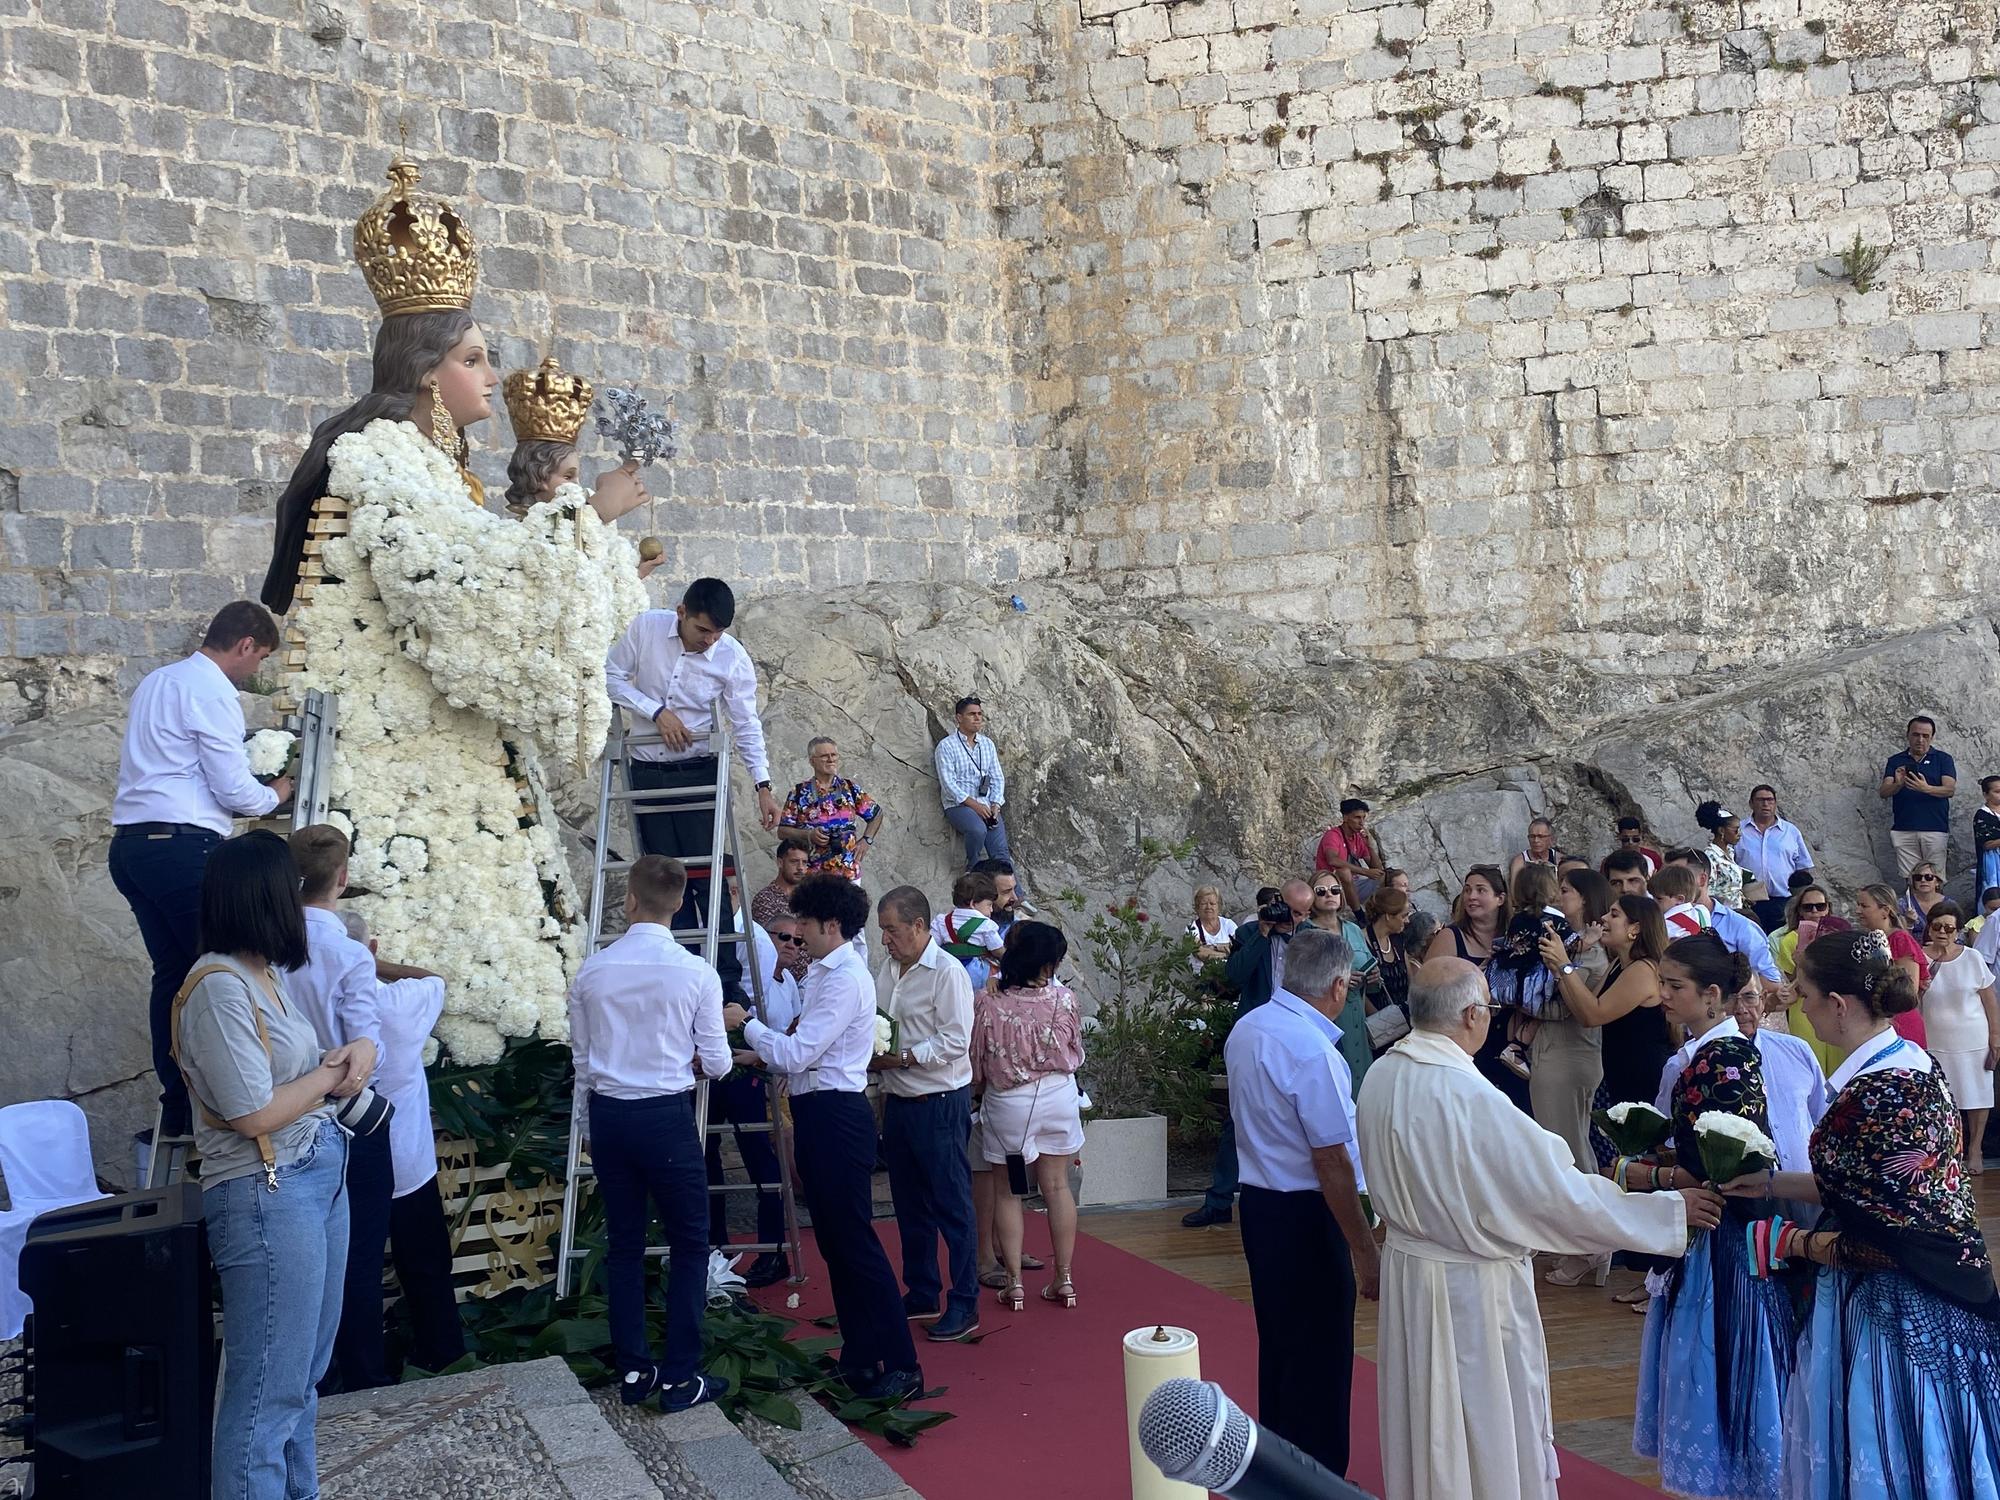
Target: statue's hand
[(618, 491)]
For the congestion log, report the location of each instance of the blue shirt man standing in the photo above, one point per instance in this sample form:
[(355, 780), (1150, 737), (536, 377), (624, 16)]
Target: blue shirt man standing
[(1918, 783)]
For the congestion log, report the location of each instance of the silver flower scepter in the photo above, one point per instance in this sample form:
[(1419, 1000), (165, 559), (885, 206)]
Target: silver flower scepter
[(643, 436)]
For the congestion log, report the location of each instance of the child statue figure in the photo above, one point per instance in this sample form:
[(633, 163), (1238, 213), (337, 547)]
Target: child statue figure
[(462, 645)]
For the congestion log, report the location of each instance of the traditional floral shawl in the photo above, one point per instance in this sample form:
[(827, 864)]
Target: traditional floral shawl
[(1886, 1157), (1725, 1075)]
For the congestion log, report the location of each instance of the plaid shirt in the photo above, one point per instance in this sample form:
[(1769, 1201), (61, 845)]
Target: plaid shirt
[(960, 769)]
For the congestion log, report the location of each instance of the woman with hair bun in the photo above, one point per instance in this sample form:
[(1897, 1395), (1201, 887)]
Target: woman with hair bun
[(1717, 1356), (1897, 1391), (1725, 876)]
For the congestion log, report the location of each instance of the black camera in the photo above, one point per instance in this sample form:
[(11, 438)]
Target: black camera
[(1278, 912)]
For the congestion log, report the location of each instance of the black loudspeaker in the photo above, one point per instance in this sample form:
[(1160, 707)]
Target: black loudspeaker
[(122, 1347)]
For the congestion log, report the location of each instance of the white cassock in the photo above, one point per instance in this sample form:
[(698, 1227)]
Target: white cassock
[(1470, 1188)]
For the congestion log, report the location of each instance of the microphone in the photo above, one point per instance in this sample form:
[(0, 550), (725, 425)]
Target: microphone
[(1196, 1434)]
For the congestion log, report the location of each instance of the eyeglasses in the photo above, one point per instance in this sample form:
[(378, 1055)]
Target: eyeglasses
[(1812, 908), (1925, 879)]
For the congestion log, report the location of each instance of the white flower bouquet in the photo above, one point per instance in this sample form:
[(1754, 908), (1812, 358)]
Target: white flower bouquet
[(269, 752), (887, 1034), (1633, 1129), (1731, 1146)]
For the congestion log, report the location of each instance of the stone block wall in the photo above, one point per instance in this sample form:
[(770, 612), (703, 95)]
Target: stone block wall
[(773, 213), (1653, 333)]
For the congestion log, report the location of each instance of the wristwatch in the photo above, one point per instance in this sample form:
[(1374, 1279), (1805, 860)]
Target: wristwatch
[(763, 786), (1568, 969)]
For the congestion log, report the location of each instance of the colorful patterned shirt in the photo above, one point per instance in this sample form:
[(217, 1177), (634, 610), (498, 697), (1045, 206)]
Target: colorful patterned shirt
[(842, 812)]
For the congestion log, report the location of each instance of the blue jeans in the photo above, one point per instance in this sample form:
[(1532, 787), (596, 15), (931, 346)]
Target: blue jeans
[(923, 1140), (159, 873), (641, 1147), (981, 841), (281, 1258)]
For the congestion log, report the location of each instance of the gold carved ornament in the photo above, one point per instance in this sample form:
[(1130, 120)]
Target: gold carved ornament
[(416, 252), (547, 405)]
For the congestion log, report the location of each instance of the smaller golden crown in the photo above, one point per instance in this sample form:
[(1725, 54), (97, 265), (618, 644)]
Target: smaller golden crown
[(416, 252), (545, 405)]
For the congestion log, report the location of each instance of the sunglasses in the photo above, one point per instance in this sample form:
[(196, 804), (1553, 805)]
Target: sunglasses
[(1326, 890), (786, 937), (1812, 908), (1924, 879), (1946, 931)]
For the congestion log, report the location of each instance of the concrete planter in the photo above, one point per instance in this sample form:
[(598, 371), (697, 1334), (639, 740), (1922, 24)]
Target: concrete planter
[(1125, 1161)]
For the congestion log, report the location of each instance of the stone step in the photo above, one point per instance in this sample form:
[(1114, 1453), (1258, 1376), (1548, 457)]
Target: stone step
[(532, 1429)]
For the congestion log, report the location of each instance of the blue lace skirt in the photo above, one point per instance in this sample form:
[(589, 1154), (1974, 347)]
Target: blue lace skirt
[(1897, 1395), (1713, 1374)]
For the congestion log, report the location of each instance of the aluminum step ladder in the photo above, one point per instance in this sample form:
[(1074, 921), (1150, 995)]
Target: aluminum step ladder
[(317, 723), (615, 791)]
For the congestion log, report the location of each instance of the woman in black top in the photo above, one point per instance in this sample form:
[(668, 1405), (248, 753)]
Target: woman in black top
[(1986, 836), (1383, 917), (1478, 917)]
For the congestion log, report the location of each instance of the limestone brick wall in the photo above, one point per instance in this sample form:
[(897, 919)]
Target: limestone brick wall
[(1654, 333), (775, 214)]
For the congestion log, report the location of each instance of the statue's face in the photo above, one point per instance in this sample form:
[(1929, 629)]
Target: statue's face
[(466, 380), (569, 471)]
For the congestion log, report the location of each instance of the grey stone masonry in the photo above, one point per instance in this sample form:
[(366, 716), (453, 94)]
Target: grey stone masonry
[(775, 215)]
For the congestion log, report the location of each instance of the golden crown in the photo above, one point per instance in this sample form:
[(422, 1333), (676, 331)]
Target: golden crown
[(415, 250), (546, 405)]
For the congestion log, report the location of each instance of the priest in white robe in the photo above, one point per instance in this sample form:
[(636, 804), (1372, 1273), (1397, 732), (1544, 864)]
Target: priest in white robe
[(1470, 1189)]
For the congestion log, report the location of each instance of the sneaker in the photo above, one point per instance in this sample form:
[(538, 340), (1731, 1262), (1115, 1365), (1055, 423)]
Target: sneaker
[(894, 1385), (638, 1385), (1206, 1215), (767, 1270), (696, 1390), (1514, 1060), (917, 1310), (956, 1324)]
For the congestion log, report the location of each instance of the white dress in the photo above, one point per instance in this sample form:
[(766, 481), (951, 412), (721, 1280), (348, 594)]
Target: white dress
[(1955, 1027), (1470, 1188)]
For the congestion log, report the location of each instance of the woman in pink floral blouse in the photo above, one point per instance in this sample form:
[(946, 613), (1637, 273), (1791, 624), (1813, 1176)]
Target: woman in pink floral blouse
[(840, 820), (1027, 1043)]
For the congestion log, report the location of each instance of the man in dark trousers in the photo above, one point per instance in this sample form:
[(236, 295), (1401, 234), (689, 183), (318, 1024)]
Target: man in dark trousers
[(1305, 1233), (826, 1057), (1255, 966), (182, 777), (642, 1012), (671, 668)]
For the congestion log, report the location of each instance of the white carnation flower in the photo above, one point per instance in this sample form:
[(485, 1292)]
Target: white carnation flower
[(1623, 1112), (269, 751), (1735, 1128)]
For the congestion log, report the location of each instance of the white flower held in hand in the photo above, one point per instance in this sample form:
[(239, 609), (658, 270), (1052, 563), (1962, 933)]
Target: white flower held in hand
[(269, 750), (885, 1033), (1623, 1112), (1735, 1128)]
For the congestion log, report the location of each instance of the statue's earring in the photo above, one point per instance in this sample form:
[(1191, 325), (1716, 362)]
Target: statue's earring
[(443, 433)]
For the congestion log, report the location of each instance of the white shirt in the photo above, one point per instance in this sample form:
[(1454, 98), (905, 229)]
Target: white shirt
[(781, 990), (931, 1003), (337, 988), (1773, 854), (1877, 1055), (986, 935), (649, 669), (183, 760), (641, 1010), (836, 1032), (1678, 1062), (408, 1009), (1289, 1091), (1224, 931)]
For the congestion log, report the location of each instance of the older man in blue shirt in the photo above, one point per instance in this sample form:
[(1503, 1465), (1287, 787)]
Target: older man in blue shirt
[(1305, 1233)]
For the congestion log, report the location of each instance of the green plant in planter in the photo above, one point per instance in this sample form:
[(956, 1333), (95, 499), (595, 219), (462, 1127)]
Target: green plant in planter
[(1159, 1025)]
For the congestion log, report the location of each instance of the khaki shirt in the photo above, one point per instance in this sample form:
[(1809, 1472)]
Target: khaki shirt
[(932, 1006)]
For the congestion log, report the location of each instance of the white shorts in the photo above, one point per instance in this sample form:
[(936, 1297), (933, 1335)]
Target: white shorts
[(1037, 1119)]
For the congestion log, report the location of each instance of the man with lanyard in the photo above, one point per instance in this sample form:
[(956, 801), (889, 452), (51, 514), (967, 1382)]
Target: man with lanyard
[(1738, 933), (825, 1059), (669, 668), (972, 785), (1772, 850), (182, 777)]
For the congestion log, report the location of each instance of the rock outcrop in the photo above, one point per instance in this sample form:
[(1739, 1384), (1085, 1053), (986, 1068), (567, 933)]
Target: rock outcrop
[(1115, 721)]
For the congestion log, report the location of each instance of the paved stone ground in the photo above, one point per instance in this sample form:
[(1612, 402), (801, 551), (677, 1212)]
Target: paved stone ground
[(825, 1460)]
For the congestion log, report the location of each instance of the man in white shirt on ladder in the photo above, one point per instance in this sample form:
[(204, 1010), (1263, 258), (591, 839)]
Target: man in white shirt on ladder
[(669, 668), (182, 778)]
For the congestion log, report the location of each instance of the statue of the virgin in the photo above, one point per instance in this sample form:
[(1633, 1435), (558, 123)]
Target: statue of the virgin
[(463, 646)]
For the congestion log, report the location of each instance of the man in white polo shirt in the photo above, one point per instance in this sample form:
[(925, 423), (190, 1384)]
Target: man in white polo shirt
[(182, 778)]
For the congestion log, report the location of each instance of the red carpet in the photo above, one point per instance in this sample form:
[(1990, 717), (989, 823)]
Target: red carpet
[(1039, 1402)]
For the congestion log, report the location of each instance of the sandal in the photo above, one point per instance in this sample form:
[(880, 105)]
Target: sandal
[(1012, 1297), (1060, 1290), (1634, 1295)]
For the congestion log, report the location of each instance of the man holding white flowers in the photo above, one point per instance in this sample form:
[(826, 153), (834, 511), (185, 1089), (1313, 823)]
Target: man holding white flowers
[(673, 668), (183, 776), (1470, 1189)]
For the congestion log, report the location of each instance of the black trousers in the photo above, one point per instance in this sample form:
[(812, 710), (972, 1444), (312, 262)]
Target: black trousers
[(742, 1100), (688, 835), (360, 1353), (420, 1247), (158, 869), (924, 1140), (645, 1148), (835, 1145), (1302, 1289)]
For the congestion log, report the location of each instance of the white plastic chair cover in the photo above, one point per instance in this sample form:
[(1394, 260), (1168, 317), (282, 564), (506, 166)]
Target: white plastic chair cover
[(45, 1160)]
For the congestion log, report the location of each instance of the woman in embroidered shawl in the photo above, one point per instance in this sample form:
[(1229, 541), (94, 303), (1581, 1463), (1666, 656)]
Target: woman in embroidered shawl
[(1897, 1393), (1717, 1356), (462, 645)]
